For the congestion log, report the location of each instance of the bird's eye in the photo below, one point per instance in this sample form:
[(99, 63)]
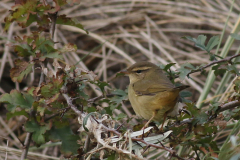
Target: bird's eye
[(139, 71)]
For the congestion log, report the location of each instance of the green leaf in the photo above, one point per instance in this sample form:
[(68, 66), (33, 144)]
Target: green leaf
[(120, 116), (201, 117), (22, 69), (17, 99), (21, 13), (233, 69), (91, 109), (52, 88), (168, 66), (37, 130), (100, 84), (219, 72), (199, 42), (63, 19), (69, 140), (235, 36), (184, 70), (212, 43), (44, 45), (184, 94), (17, 113), (53, 55), (112, 156), (23, 50)]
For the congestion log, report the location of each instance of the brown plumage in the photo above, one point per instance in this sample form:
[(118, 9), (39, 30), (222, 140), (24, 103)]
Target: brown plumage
[(151, 93)]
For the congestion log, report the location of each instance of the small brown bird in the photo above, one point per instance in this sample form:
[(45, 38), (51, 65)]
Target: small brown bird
[(151, 93)]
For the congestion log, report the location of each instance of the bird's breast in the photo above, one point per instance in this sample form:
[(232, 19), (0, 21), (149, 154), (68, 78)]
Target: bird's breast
[(145, 105)]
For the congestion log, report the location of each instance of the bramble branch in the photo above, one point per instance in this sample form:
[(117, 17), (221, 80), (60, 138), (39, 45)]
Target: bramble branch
[(226, 106), (227, 59)]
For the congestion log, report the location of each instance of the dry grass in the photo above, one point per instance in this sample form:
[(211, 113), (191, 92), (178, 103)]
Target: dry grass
[(129, 31)]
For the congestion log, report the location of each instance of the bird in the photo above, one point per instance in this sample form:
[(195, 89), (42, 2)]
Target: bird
[(152, 95)]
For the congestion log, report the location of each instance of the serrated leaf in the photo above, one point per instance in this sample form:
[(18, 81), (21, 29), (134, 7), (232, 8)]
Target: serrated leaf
[(168, 66), (212, 43), (120, 116), (63, 19), (20, 13), (44, 45), (23, 50), (21, 69), (201, 117), (69, 140), (17, 113), (100, 84), (37, 130), (233, 69), (17, 99), (199, 42), (52, 88), (184, 70), (235, 36), (53, 55), (120, 95), (219, 72), (185, 94)]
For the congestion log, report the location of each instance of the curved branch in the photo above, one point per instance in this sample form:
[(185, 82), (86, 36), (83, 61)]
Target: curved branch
[(229, 105), (227, 59)]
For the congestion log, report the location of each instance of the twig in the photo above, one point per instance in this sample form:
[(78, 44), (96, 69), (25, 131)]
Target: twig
[(70, 104), (229, 105), (99, 97), (226, 106), (26, 145), (227, 59), (53, 17), (86, 144)]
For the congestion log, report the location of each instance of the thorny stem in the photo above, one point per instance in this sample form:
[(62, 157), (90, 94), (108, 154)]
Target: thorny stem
[(29, 135), (227, 59), (226, 106), (26, 145)]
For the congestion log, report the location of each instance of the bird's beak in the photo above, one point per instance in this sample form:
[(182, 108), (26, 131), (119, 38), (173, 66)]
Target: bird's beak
[(123, 73)]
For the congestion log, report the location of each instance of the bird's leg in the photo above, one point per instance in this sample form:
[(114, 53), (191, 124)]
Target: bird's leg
[(146, 125), (164, 118)]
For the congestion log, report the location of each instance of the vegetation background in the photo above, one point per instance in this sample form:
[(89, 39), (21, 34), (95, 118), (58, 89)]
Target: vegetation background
[(122, 32)]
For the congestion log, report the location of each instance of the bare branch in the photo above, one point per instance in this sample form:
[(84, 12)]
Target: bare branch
[(229, 105), (227, 59)]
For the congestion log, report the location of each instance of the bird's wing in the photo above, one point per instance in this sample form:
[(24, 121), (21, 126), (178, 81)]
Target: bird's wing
[(151, 88), (161, 83)]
